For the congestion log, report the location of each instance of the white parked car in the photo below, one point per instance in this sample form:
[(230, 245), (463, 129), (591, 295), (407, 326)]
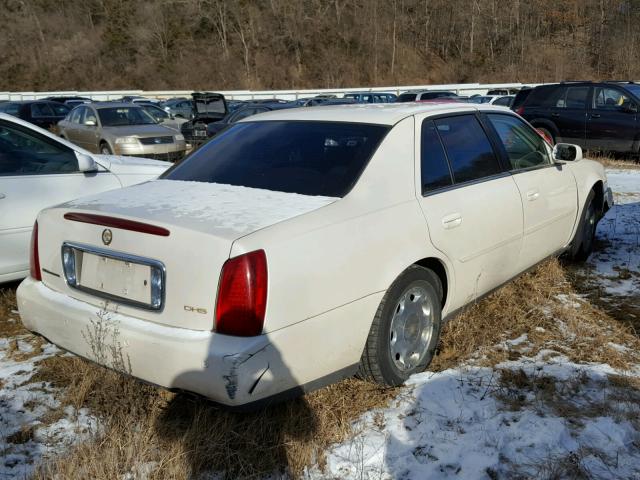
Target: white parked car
[(305, 245), (37, 170)]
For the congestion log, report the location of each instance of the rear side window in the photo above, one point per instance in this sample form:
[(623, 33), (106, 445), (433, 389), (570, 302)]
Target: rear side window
[(574, 97), (41, 110), (470, 153), (309, 158), (433, 162), (10, 108)]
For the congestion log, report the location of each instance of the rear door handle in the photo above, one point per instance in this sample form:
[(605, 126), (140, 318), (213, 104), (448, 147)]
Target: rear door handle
[(533, 195), (452, 221), (555, 114)]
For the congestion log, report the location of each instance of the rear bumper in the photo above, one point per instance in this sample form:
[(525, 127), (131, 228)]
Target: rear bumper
[(232, 371)]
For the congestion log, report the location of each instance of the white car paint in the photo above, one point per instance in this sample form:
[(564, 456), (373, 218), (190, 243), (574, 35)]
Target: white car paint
[(23, 196), (330, 261)]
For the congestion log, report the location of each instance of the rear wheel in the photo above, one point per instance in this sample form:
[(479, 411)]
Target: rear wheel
[(585, 236), (405, 330)]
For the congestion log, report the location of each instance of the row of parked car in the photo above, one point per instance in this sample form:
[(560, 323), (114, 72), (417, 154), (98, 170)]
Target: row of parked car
[(595, 115)]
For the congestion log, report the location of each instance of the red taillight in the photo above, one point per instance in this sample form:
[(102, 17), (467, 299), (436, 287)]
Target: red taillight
[(34, 261), (242, 295), (520, 110)]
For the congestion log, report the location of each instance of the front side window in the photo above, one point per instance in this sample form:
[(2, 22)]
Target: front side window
[(610, 99), (469, 151), (434, 168), (76, 114), (503, 101), (524, 147), (89, 115), (406, 97), (309, 158), (24, 152)]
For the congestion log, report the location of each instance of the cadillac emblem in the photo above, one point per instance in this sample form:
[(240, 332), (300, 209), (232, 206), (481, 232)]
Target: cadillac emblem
[(107, 236)]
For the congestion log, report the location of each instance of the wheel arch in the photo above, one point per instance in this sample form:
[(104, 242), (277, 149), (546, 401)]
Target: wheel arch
[(440, 269), (548, 124)]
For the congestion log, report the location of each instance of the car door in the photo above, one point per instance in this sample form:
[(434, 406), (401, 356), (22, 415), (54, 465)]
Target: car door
[(35, 172), (88, 130), (71, 125), (570, 115), (612, 123), (472, 206), (548, 191)]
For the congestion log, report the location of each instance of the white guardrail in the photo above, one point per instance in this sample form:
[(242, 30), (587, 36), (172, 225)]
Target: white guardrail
[(459, 88)]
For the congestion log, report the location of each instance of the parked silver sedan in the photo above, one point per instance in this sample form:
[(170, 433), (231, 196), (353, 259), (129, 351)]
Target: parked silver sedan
[(121, 129)]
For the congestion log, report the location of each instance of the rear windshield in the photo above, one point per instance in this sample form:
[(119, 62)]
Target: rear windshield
[(309, 158), (406, 97)]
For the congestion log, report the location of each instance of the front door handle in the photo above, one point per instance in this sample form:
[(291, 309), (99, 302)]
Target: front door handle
[(533, 195), (595, 115), (452, 221)]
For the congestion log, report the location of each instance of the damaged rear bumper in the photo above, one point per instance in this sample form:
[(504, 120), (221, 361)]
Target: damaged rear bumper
[(232, 371)]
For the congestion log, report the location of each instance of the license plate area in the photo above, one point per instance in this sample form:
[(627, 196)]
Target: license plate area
[(116, 276)]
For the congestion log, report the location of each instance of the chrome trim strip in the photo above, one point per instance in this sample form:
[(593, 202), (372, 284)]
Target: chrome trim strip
[(126, 257)]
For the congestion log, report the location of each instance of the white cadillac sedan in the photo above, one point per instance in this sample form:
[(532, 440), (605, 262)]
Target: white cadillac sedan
[(37, 170), (305, 245)]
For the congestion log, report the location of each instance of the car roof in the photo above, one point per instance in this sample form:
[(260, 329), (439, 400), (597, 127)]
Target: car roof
[(99, 105), (375, 113)]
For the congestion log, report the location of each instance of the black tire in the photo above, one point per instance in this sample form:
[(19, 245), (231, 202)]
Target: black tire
[(105, 149), (585, 235), (377, 363)]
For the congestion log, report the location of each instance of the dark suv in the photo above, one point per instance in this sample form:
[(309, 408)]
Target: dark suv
[(595, 115)]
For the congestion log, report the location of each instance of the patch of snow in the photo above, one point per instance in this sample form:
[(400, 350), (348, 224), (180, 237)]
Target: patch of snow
[(453, 424), (23, 405)]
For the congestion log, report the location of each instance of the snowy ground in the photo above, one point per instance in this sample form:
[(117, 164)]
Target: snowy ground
[(28, 431), (541, 417)]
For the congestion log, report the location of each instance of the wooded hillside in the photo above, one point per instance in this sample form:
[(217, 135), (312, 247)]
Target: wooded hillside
[(216, 44)]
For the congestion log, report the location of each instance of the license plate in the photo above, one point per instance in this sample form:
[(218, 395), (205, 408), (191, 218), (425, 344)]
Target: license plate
[(118, 278), (199, 133)]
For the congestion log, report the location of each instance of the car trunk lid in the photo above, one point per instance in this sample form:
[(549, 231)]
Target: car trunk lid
[(119, 267)]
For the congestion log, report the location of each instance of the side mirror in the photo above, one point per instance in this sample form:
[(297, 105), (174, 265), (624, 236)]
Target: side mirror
[(566, 152), (90, 123), (86, 163)]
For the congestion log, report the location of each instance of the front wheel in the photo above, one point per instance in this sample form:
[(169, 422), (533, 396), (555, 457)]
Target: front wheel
[(105, 149), (585, 236), (405, 330)]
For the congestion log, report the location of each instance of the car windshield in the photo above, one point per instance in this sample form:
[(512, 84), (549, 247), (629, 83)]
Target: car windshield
[(479, 99), (309, 158), (119, 116)]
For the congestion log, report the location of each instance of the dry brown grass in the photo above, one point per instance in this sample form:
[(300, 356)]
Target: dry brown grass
[(530, 305), (182, 437), (9, 324), (611, 162)]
